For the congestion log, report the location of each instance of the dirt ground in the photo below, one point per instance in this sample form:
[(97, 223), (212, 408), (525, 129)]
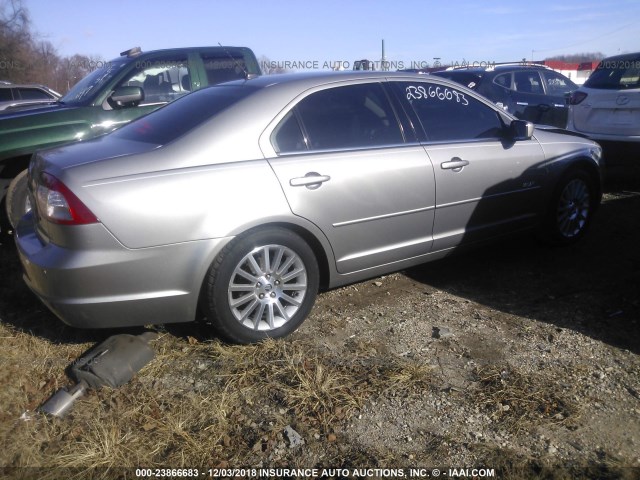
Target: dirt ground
[(515, 358)]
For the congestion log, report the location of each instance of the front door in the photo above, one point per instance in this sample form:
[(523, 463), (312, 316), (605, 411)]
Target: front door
[(486, 184)]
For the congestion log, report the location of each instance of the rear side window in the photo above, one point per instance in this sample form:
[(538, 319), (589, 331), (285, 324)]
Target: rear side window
[(222, 67), (177, 118), (616, 74), (503, 80), (528, 82), (448, 114), (287, 136), (353, 116), (5, 94)]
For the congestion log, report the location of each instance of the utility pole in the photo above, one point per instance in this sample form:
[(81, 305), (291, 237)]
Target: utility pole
[(383, 63)]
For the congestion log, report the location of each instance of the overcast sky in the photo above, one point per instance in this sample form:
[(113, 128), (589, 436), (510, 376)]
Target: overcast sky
[(456, 31)]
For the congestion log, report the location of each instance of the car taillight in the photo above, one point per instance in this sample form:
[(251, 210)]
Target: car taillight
[(577, 97), (58, 204)]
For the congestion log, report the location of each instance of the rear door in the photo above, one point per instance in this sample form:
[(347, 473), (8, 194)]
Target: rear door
[(344, 165)]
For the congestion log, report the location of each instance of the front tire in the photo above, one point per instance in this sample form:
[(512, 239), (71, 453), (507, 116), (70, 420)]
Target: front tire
[(263, 284), (572, 207)]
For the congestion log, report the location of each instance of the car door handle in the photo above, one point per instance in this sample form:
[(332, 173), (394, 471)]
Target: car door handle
[(544, 107), (454, 164), (311, 180)]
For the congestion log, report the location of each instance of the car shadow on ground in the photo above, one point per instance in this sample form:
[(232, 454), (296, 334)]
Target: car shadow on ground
[(592, 287)]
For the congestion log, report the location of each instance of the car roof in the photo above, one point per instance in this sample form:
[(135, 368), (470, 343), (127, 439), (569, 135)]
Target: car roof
[(319, 77), (624, 56)]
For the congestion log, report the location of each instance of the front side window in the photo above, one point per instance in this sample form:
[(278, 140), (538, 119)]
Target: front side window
[(163, 80), (448, 114), (558, 84), (354, 116)]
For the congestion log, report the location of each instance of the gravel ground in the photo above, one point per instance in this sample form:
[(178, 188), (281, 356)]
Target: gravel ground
[(514, 356)]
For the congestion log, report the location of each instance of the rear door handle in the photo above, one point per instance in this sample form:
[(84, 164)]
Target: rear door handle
[(311, 180), (456, 164)]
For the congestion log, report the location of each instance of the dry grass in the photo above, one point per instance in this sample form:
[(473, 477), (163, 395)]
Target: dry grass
[(517, 400), (196, 404)]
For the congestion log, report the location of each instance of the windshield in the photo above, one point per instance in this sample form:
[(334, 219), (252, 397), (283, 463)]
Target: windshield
[(179, 117), (616, 73), (84, 90)]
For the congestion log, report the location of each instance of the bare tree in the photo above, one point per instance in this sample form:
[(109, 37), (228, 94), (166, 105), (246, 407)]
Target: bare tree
[(15, 40), (579, 57), (269, 67)]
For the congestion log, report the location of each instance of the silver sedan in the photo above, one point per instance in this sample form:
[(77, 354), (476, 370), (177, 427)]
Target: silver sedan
[(242, 200)]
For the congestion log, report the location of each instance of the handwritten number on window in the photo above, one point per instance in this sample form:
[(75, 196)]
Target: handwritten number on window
[(436, 93)]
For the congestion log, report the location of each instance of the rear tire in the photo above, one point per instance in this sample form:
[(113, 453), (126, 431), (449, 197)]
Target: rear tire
[(262, 285), (18, 203), (572, 207)]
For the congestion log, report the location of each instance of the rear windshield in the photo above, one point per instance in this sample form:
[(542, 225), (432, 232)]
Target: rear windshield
[(179, 117), (616, 74)]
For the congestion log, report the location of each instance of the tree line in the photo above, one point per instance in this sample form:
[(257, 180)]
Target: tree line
[(27, 58)]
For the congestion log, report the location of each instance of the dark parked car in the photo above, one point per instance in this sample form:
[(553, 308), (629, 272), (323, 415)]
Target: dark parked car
[(14, 96), (529, 92), (244, 198), (123, 89)]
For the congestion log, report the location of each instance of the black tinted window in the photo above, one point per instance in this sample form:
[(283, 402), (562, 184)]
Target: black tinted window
[(448, 114), (468, 79), (177, 118), (558, 84), (33, 94), (163, 79), (503, 80), (349, 117), (5, 94), (224, 67), (528, 82), (287, 136)]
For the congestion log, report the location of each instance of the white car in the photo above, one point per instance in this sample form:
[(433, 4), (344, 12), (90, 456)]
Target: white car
[(607, 106)]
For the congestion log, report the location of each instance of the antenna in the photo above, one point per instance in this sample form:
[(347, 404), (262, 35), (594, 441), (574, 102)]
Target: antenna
[(246, 74)]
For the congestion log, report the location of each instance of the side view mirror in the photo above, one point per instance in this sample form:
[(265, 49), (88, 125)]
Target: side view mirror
[(126, 97), (521, 129)]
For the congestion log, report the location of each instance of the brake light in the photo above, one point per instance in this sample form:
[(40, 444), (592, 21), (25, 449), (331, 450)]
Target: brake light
[(60, 205), (576, 97)]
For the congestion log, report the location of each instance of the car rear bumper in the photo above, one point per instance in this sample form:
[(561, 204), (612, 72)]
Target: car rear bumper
[(107, 285)]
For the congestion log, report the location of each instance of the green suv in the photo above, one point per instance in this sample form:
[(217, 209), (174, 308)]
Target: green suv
[(123, 89)]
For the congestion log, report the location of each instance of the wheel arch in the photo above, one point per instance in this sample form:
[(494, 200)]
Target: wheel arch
[(319, 250), (588, 166)]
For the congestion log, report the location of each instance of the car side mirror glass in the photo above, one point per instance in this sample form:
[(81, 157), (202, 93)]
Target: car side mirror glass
[(521, 130), (126, 97)]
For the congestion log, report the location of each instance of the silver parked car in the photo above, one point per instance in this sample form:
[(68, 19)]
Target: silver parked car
[(244, 199)]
